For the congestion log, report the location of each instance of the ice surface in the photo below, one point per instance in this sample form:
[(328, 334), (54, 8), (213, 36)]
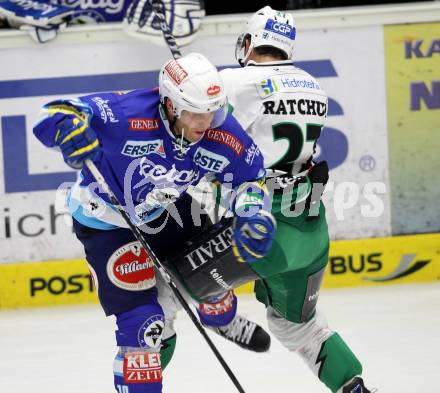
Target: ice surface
[(395, 332)]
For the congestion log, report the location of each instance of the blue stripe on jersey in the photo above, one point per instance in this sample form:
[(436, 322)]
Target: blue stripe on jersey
[(91, 222)]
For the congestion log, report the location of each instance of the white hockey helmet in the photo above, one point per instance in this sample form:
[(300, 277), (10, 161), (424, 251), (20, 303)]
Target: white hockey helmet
[(193, 84), (267, 27)]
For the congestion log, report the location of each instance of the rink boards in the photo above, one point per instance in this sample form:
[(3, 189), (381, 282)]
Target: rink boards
[(381, 140), (381, 137), (369, 262)]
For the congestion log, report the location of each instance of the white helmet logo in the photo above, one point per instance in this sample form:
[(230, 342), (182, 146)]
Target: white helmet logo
[(176, 72), (280, 28)]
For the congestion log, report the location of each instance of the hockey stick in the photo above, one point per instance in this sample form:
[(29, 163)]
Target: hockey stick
[(164, 272), (166, 31)]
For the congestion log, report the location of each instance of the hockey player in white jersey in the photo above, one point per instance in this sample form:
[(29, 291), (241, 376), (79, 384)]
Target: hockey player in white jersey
[(284, 109)]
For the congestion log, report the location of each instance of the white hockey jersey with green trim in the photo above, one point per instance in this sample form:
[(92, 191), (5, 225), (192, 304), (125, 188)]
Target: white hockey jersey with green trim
[(282, 107)]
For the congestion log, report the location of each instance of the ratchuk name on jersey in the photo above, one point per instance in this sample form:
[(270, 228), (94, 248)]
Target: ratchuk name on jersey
[(292, 107)]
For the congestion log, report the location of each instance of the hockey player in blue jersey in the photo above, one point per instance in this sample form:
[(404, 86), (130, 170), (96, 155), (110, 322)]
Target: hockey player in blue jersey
[(151, 145)]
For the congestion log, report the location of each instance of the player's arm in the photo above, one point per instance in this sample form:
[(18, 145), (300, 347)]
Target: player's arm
[(254, 226), (66, 124)]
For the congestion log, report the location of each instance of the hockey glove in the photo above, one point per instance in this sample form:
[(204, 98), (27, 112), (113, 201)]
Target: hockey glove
[(41, 18), (252, 236), (184, 18), (77, 141), (254, 226)]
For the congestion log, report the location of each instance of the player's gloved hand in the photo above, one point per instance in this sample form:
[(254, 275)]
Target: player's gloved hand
[(252, 236), (77, 141)]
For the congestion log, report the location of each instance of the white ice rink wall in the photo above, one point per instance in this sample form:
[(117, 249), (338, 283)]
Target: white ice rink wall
[(381, 69)]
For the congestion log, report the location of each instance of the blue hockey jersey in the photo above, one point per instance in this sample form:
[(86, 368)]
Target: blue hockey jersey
[(144, 164)]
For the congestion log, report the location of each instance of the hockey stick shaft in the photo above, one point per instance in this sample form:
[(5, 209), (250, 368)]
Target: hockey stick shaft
[(158, 264), (167, 35)]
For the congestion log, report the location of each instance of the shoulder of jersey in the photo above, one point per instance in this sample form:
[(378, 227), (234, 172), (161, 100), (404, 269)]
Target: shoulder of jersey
[(229, 71), (140, 105), (139, 95), (287, 77), (229, 139), (304, 73), (237, 72), (240, 82)]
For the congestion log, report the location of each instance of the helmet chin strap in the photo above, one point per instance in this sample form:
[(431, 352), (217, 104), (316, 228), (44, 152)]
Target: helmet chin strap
[(173, 129), (247, 54)]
